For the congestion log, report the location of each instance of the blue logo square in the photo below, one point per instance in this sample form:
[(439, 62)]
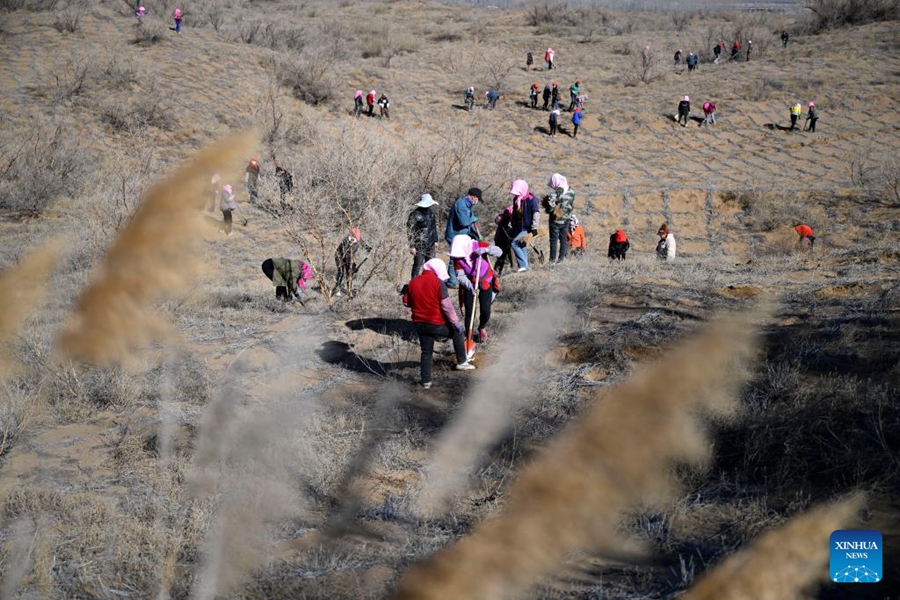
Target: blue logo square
[(856, 556)]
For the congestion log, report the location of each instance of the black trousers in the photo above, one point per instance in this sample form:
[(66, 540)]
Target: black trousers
[(228, 220), (428, 334), (422, 256), (484, 306)]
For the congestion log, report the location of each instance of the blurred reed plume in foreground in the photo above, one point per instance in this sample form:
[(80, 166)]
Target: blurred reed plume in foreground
[(491, 407), (21, 288), (783, 563), (152, 258), (617, 455)]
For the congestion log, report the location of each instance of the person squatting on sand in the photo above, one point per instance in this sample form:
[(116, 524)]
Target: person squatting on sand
[(288, 276), (807, 239), (475, 276), (575, 237), (618, 245), (344, 260), (665, 249), (434, 316), (559, 205), (421, 232), (462, 220)]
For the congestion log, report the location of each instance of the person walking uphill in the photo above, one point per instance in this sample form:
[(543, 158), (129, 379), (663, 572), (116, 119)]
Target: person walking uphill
[(618, 245), (533, 94), (421, 231), (547, 93), (288, 276), (177, 16), (476, 277), (554, 95), (549, 55), (434, 317), (285, 181), (227, 205), (344, 260), (717, 52), (461, 220), (684, 110), (559, 205), (665, 248), (553, 121), (692, 61)]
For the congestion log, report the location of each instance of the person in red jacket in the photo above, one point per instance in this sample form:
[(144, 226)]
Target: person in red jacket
[(434, 316), (370, 103), (807, 239)]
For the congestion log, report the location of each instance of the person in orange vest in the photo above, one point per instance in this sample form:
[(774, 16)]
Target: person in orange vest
[(575, 236), (807, 239)]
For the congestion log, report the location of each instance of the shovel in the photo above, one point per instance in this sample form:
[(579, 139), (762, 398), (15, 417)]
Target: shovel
[(243, 218), (470, 344)]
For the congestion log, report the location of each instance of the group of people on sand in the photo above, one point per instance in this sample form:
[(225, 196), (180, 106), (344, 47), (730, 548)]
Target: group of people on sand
[(468, 267), (384, 105)]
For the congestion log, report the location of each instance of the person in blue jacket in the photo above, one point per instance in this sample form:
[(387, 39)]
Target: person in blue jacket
[(462, 221), (576, 121)]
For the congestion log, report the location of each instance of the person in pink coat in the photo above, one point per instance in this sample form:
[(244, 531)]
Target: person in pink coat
[(177, 16)]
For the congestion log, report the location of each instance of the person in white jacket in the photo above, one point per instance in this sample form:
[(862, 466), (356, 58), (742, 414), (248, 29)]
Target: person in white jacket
[(665, 249)]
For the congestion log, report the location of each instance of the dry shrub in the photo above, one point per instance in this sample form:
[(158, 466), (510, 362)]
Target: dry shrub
[(149, 31), (833, 14), (576, 493), (152, 258), (134, 115), (492, 405), (21, 289), (877, 173), (783, 563), (770, 209), (69, 19), (644, 68), (308, 77)]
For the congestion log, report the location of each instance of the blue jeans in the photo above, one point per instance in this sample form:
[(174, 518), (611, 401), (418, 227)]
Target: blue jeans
[(177, 25), (521, 252), (558, 240), (454, 280)]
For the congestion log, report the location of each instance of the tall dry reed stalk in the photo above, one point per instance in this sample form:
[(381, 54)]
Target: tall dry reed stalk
[(617, 455), (154, 257), (489, 410), (783, 564), (21, 289)]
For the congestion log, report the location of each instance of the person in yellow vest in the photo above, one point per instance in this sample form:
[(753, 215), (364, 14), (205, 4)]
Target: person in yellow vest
[(796, 111)]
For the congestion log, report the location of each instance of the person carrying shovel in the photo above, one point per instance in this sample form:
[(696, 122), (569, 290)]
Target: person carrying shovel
[(476, 277)]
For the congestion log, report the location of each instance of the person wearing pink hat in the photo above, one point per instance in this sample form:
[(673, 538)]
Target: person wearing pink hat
[(812, 116), (177, 16), (525, 219), (684, 109), (140, 13), (226, 205), (357, 103)]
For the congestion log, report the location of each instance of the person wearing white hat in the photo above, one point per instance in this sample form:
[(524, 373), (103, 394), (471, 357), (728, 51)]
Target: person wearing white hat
[(421, 231)]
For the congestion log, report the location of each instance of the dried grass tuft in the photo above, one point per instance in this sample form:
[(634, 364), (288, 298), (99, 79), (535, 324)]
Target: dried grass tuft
[(783, 563), (20, 290), (152, 258), (619, 454)]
